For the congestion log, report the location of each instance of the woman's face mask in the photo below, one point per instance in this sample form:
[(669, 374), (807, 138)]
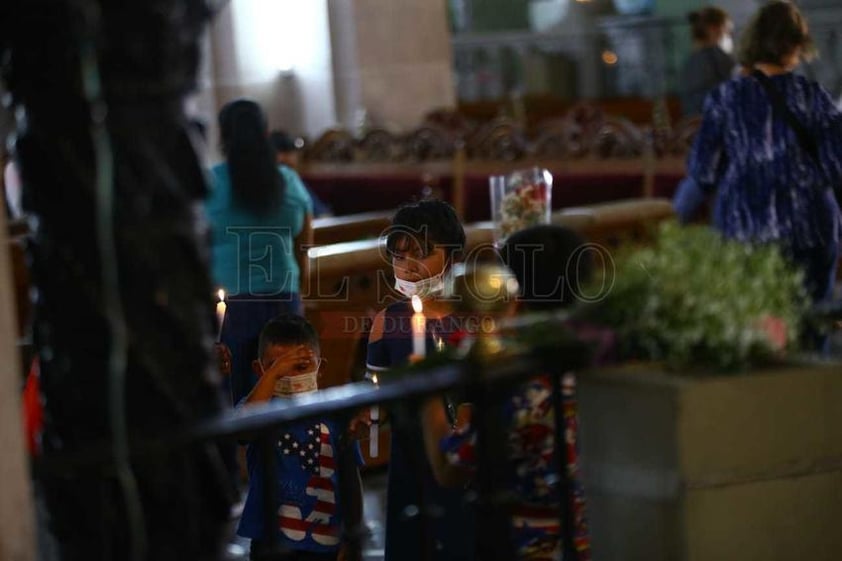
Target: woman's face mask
[(425, 288), (726, 43)]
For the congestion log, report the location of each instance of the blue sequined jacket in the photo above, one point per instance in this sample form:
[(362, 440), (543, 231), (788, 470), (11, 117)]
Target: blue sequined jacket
[(768, 189)]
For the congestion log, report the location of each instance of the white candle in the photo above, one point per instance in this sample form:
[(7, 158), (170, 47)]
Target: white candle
[(374, 427), (220, 313), (419, 328)]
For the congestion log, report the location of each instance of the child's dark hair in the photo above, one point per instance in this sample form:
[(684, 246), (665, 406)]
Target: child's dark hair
[(282, 142), (550, 265), (701, 21), (287, 329), (431, 222)]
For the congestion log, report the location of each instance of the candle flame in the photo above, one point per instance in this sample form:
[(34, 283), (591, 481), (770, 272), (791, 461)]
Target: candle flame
[(374, 379), (416, 304), (221, 295)]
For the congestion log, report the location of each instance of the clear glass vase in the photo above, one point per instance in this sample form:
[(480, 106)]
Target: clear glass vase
[(520, 200)]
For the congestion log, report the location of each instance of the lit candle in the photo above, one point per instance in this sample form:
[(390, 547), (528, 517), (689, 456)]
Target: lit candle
[(374, 427), (220, 313), (419, 329)]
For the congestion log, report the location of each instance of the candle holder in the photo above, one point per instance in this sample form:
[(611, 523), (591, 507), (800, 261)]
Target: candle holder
[(483, 294)]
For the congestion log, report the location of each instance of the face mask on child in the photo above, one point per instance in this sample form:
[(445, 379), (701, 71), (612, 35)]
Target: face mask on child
[(296, 385), (423, 288)]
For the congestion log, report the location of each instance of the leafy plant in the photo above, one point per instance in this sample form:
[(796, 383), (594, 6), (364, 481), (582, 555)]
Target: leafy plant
[(694, 299)]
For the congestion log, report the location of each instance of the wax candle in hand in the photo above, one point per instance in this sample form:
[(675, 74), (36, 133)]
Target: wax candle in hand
[(419, 328), (220, 313), (374, 428)]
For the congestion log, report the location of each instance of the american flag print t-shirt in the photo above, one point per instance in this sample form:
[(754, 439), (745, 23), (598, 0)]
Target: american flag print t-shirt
[(308, 512), (315, 457)]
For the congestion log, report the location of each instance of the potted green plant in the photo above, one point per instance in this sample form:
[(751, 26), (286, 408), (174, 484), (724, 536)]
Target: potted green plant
[(715, 442), (697, 301)]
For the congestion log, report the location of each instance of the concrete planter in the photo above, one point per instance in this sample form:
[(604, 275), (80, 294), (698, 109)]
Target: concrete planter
[(682, 468)]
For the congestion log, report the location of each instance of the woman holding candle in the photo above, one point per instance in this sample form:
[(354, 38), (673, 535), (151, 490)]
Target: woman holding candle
[(422, 517), (260, 217)]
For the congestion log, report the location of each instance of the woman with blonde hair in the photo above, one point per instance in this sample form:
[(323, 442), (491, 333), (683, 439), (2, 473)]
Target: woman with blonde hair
[(770, 147)]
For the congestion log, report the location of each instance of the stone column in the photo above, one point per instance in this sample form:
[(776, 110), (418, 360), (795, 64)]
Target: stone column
[(390, 59), (123, 318), (276, 52), (17, 541)]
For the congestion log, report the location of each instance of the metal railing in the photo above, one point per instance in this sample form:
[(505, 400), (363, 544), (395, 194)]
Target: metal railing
[(611, 56), (486, 384)]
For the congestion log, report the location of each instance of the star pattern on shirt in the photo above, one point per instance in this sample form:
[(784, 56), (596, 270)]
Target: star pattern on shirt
[(307, 450)]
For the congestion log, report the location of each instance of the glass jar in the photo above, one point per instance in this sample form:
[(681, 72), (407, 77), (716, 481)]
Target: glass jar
[(520, 200)]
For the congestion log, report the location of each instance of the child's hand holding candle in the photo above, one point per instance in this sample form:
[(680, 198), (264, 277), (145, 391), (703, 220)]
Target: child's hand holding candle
[(374, 427)]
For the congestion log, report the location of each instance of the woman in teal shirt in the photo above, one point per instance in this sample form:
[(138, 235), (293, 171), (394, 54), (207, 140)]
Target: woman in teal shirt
[(260, 216)]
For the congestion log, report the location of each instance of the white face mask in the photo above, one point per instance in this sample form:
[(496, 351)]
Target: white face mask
[(423, 289), (296, 385), (726, 43)]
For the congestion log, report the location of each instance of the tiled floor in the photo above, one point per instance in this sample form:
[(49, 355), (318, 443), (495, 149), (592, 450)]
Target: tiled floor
[(375, 514)]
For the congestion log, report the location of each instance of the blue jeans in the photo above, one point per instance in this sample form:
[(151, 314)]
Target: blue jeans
[(819, 265)]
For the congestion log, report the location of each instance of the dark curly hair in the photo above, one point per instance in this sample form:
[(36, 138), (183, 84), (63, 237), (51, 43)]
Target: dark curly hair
[(551, 263), (775, 32), (430, 222), (287, 329)]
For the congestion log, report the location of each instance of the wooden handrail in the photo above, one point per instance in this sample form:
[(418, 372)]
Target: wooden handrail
[(365, 255), (337, 229)]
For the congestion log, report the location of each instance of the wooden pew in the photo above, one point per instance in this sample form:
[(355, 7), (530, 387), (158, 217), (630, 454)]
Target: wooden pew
[(349, 282), (352, 227), (621, 222), (366, 187)]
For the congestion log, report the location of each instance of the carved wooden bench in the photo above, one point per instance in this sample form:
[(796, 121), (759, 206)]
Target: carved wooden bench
[(349, 282)]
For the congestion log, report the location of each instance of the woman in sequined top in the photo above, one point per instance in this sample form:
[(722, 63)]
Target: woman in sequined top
[(770, 187)]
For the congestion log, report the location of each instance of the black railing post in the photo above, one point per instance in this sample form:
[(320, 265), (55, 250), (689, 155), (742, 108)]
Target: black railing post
[(494, 526), (565, 490)]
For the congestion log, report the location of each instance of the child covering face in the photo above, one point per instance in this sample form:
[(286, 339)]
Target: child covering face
[(318, 486)]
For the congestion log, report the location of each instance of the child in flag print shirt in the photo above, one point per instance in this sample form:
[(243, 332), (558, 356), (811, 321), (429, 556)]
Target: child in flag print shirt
[(551, 263), (318, 486)]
